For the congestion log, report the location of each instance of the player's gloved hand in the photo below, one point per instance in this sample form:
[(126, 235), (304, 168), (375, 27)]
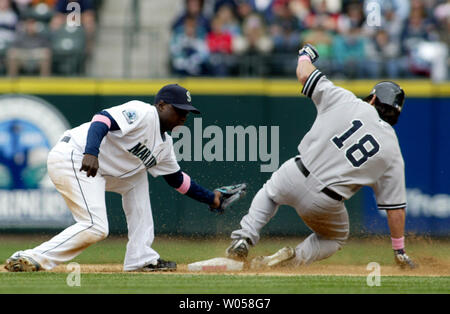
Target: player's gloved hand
[(310, 51), (403, 260), (90, 165), (229, 195)]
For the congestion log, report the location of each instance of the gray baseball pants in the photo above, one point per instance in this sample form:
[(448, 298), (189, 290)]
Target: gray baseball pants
[(326, 217)]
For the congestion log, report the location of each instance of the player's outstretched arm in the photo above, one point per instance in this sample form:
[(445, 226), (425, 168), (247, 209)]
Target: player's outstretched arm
[(306, 56), (396, 223)]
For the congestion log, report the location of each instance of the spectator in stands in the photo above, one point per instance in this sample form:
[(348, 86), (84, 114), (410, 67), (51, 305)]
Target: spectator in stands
[(21, 6), (418, 29), (442, 15), (229, 20), (331, 6), (393, 24), (322, 39), (232, 4), (220, 45), (300, 8), (383, 56), (349, 53), (321, 14), (253, 46), (87, 18), (30, 50), (284, 29), (193, 10), (8, 23), (243, 10), (263, 8), (255, 36), (352, 18), (189, 52), (42, 10)]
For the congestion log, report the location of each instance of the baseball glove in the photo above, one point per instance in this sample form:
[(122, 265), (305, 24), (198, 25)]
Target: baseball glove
[(310, 51), (230, 195), (403, 260)]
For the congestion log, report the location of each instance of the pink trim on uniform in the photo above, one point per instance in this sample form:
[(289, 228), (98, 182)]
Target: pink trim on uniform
[(398, 243), (184, 187), (304, 58), (103, 119)]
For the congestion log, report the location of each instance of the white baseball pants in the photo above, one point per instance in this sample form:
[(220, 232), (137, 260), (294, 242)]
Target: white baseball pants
[(326, 217), (85, 197)]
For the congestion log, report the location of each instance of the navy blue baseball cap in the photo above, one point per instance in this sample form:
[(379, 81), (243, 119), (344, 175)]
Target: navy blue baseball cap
[(177, 96)]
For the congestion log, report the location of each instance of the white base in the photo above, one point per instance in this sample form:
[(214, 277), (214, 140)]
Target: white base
[(217, 264)]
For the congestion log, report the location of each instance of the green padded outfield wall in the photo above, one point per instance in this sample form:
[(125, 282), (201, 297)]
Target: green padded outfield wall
[(273, 112)]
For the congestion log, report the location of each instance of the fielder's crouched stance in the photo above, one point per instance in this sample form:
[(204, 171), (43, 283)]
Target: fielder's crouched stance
[(351, 144), (115, 152)]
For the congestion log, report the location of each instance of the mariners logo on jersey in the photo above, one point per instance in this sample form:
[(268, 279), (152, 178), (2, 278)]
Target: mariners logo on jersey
[(143, 153), (130, 116)]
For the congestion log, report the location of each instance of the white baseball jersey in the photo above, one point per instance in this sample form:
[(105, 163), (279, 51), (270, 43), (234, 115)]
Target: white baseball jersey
[(138, 145), (125, 156), (350, 146)]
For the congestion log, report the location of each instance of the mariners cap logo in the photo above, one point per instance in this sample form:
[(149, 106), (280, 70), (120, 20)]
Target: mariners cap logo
[(188, 95), (177, 96)]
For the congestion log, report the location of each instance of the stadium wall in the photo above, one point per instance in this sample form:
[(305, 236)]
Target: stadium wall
[(270, 117)]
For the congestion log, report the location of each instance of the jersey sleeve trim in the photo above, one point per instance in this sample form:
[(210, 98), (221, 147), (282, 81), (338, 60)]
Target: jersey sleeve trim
[(391, 206), (311, 83)]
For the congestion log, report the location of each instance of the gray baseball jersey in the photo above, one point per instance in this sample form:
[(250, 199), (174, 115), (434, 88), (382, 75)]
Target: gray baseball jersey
[(350, 146)]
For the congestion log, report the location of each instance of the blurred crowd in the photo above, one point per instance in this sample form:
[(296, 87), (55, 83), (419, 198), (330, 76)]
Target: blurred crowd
[(46, 37), (355, 39)]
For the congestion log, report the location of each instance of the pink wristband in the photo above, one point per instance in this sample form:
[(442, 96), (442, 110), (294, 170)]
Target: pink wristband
[(398, 243), (185, 185), (102, 119), (304, 58)]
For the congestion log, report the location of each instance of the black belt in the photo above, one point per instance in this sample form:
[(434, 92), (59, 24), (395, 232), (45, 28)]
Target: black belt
[(65, 139), (326, 190)]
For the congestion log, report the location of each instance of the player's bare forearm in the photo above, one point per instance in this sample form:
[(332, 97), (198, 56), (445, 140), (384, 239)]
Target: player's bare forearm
[(396, 222), (304, 70)]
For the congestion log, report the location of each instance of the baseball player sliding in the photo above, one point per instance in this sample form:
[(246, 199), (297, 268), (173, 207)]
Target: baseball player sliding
[(351, 144), (115, 152)]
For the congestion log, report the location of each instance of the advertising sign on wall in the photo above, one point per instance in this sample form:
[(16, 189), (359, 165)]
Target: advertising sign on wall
[(29, 127)]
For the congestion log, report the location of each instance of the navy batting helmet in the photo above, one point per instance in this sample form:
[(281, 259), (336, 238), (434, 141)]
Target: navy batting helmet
[(389, 100)]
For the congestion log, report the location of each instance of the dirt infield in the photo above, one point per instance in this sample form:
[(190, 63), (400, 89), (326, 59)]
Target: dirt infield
[(431, 268), (430, 254)]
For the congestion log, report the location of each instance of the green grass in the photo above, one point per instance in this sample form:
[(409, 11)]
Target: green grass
[(55, 283), (183, 251)]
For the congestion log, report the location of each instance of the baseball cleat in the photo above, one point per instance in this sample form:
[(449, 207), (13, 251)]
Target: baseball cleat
[(161, 265), (403, 260), (21, 263), (238, 249), (276, 259)]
